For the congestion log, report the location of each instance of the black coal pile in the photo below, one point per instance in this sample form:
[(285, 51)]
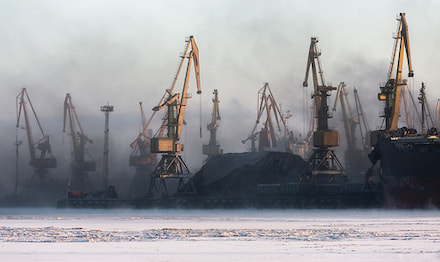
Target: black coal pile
[(236, 175)]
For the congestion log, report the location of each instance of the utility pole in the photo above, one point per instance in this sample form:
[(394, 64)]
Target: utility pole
[(107, 109)]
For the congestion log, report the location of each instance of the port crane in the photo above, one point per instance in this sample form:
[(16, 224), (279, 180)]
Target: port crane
[(80, 167), (323, 166), (267, 135), (390, 92), (212, 148), (354, 156), (364, 128), (141, 156), (171, 164), (44, 159)]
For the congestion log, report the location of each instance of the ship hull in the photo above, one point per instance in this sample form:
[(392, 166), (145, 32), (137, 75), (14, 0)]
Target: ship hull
[(410, 170)]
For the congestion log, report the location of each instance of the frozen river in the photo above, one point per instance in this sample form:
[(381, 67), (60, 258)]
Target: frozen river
[(219, 235)]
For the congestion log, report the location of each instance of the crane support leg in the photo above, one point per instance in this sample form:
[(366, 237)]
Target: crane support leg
[(171, 166)]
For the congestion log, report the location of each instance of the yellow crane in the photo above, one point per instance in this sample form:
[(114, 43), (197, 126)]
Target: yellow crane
[(45, 159), (390, 93), (323, 166), (171, 164), (80, 166), (212, 148)]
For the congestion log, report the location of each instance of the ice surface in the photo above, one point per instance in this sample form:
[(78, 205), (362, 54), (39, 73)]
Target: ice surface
[(219, 235)]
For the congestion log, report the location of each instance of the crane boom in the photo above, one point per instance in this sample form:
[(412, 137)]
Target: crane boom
[(143, 118), (77, 136), (45, 159)]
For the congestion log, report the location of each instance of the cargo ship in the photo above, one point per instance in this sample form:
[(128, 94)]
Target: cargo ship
[(409, 163)]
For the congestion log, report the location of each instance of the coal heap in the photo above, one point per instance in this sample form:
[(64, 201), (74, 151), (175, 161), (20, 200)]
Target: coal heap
[(235, 175)]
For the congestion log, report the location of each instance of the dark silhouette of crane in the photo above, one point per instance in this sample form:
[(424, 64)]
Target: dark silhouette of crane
[(213, 148), (323, 165), (80, 167), (271, 126), (40, 150)]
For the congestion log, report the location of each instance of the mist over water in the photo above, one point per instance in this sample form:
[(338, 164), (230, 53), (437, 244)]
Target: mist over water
[(123, 53), (216, 235)]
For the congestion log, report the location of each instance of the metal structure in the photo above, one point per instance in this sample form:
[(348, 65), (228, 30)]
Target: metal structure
[(350, 122), (356, 160), (107, 109), (171, 164), (268, 134), (45, 159), (437, 114), (426, 111), (323, 166), (390, 93), (141, 156), (213, 148), (79, 177), (17, 145), (364, 128)]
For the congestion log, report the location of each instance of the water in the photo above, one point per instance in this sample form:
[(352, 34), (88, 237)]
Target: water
[(219, 235)]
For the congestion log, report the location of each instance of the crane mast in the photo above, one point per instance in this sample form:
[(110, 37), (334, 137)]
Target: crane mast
[(45, 159), (212, 148), (171, 164), (323, 166), (79, 166)]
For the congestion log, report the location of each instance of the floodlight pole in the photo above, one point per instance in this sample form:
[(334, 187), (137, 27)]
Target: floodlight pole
[(107, 109)]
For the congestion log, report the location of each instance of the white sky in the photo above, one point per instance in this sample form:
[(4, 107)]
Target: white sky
[(124, 52)]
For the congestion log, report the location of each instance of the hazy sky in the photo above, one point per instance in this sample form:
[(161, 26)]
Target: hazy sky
[(123, 52)]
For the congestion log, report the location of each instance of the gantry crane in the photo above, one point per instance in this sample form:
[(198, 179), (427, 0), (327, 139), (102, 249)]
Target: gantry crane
[(212, 148), (45, 159), (171, 164), (390, 93), (267, 135), (80, 167), (323, 166), (355, 157)]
